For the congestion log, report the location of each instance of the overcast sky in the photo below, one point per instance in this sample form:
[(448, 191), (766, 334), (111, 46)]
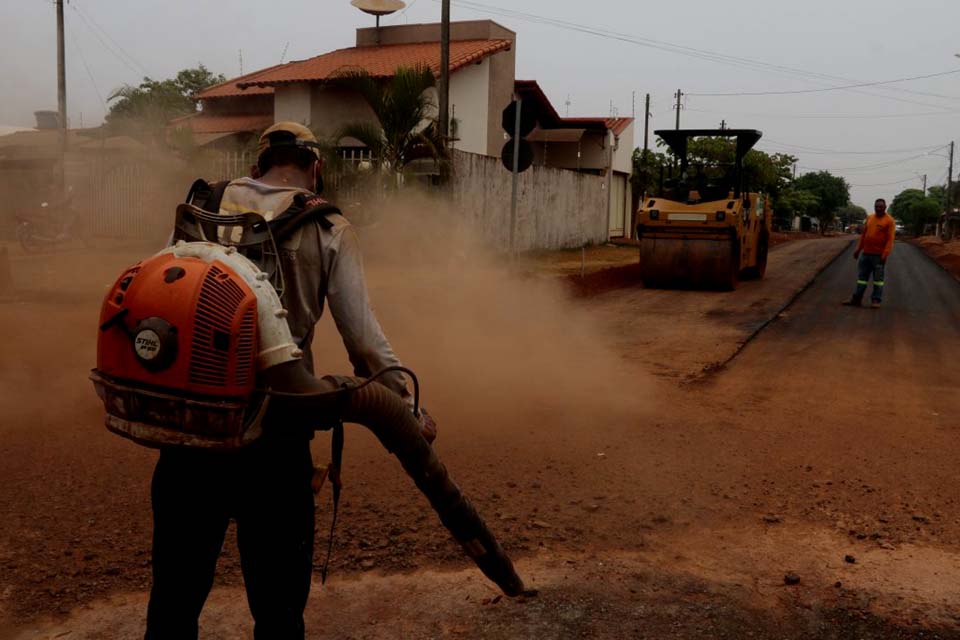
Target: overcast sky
[(110, 43)]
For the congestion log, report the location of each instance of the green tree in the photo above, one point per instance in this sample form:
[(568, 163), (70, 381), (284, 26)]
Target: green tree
[(405, 129), (832, 191), (145, 109), (646, 171), (914, 210), (794, 202), (851, 214), (764, 172)]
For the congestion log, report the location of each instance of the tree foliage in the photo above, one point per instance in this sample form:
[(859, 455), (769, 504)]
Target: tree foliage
[(851, 214), (763, 172), (646, 170), (914, 210), (794, 202), (405, 129), (832, 191), (145, 109)]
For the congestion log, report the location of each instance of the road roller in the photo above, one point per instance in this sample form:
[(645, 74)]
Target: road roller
[(705, 229)]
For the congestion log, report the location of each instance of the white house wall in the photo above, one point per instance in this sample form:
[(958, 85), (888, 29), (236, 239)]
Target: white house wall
[(334, 107), (623, 156), (291, 103), (470, 104)]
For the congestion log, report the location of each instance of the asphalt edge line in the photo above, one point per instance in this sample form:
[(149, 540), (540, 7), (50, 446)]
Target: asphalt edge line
[(923, 251), (716, 368)]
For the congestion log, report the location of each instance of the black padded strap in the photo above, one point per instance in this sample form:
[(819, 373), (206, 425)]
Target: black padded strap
[(207, 196), (302, 210)]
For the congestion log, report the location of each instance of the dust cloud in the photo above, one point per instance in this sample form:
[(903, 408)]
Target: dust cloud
[(496, 351)]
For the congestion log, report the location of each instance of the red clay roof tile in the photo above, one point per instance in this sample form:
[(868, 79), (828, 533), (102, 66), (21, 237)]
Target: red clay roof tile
[(229, 88), (379, 61), (204, 123)]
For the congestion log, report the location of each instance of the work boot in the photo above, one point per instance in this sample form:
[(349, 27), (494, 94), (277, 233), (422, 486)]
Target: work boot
[(875, 304), (853, 302)]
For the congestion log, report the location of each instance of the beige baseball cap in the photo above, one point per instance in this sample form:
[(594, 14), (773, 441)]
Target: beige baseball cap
[(288, 134)]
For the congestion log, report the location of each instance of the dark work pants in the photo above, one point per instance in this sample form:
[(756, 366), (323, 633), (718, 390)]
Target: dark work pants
[(870, 265), (266, 488)]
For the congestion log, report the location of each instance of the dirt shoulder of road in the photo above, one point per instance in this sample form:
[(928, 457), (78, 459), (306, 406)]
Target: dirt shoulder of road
[(592, 260), (684, 335), (946, 254)]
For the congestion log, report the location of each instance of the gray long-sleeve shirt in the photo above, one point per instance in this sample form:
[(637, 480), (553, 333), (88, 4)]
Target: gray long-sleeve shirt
[(322, 264)]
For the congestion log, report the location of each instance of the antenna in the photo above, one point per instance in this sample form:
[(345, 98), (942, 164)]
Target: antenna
[(568, 103), (379, 8), (240, 52), (283, 56)]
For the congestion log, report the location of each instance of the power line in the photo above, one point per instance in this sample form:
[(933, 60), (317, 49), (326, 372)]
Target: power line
[(120, 53), (83, 59), (839, 152), (682, 50), (878, 165), (885, 184), (883, 165), (843, 87), (826, 116)]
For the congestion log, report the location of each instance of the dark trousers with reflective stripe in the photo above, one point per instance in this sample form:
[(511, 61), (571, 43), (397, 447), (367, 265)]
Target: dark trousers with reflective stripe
[(266, 488), (870, 264)]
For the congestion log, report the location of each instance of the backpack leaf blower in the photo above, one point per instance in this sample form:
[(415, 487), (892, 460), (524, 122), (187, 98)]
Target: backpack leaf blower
[(194, 350)]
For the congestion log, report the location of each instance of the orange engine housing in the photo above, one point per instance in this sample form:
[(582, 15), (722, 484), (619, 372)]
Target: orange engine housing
[(181, 325)]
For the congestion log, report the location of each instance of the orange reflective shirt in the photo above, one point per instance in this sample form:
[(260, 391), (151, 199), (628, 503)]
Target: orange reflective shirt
[(878, 235)]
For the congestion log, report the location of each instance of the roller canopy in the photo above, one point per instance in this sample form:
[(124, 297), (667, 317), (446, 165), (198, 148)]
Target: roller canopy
[(676, 139)]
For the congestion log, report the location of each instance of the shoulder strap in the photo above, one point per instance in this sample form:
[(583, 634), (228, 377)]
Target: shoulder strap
[(300, 212), (207, 196)]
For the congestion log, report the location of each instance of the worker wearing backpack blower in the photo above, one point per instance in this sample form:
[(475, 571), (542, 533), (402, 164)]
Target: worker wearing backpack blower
[(265, 485)]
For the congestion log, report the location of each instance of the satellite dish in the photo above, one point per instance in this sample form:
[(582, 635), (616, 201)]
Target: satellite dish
[(379, 7)]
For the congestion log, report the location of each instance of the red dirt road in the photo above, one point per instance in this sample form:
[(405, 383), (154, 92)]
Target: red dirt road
[(639, 507)]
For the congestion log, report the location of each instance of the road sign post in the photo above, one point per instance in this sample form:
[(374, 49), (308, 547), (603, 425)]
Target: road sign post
[(517, 154), (516, 171)]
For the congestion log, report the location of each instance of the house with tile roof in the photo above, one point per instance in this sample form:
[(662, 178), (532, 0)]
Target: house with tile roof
[(482, 83)]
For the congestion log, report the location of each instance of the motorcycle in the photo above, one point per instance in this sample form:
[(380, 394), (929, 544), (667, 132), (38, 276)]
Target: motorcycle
[(48, 225)]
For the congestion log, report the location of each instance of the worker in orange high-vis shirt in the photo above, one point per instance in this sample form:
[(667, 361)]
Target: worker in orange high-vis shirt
[(876, 243)]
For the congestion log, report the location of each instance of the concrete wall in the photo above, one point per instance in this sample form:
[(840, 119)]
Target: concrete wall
[(291, 103), (593, 147), (469, 103), (411, 33), (557, 209)]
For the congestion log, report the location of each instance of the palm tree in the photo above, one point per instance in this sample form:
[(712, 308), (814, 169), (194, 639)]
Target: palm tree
[(403, 105)]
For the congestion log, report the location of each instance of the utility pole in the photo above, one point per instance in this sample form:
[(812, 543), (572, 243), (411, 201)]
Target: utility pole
[(646, 127), (924, 185), (678, 96), (62, 94), (444, 114), (949, 207)]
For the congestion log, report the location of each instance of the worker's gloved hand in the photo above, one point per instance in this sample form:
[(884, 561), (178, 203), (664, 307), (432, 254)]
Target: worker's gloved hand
[(428, 428), (856, 254)]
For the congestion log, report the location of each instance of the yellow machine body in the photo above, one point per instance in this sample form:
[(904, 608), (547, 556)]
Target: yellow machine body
[(703, 244)]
